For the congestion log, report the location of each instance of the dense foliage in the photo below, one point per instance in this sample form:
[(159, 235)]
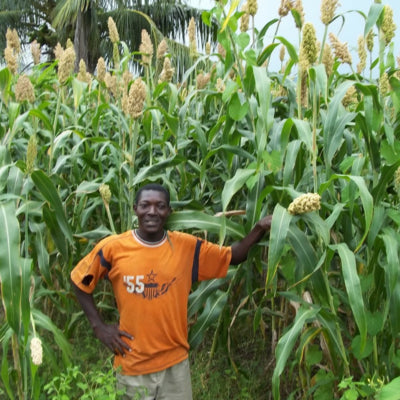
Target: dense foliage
[(233, 141)]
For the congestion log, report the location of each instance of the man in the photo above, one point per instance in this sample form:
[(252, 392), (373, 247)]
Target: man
[(151, 271)]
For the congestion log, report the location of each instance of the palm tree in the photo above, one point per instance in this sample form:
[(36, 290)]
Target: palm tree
[(33, 21), (85, 21), (169, 18)]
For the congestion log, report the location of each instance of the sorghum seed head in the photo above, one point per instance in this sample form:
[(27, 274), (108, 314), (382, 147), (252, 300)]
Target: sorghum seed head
[(244, 19), (192, 38), (282, 51), (162, 49), (388, 26), (305, 203), (327, 59), (397, 180), (208, 48), (66, 65), (58, 51), (11, 60), (31, 153), (127, 78), (308, 47), (12, 40), (146, 48), (24, 89), (252, 7), (384, 85), (137, 97), (167, 71), (202, 80), (36, 351), (285, 7), (220, 86), (328, 8), (350, 97), (35, 51), (370, 41), (83, 75), (113, 31), (362, 54), (105, 193), (101, 69), (192, 30), (341, 49), (113, 85)]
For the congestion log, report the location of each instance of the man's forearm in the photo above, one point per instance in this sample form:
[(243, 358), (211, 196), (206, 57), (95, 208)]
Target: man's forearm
[(88, 306), (241, 249)]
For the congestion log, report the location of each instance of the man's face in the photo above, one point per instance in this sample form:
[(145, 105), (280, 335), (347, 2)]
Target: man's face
[(152, 211)]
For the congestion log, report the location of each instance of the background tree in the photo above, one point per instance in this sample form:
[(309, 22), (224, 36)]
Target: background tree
[(85, 22), (32, 20)]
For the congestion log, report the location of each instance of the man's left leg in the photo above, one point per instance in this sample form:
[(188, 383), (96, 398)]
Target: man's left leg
[(176, 383)]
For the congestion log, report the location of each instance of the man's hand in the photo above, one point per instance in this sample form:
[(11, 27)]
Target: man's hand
[(240, 249), (265, 223), (111, 336)]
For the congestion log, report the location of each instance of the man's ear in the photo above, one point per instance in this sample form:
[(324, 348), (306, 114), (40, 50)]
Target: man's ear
[(134, 208)]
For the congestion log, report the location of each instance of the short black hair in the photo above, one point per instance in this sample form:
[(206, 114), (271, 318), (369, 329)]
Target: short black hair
[(153, 186)]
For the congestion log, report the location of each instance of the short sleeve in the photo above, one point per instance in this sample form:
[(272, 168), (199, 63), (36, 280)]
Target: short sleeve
[(214, 261), (93, 267)]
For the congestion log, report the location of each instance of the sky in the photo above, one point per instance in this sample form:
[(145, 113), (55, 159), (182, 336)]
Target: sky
[(349, 32)]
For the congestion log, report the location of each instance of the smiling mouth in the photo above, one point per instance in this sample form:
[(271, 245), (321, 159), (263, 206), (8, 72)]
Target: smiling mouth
[(152, 222)]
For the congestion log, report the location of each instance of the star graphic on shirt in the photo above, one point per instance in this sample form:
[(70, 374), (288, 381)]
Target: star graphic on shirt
[(151, 276)]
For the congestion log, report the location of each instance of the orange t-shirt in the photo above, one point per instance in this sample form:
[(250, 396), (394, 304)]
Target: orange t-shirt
[(151, 284)]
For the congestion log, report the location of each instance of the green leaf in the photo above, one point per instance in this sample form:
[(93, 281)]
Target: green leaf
[(42, 254), (374, 13), (391, 266), (318, 225), (293, 53), (243, 40), (353, 289), (279, 230), (390, 391), (266, 53), (95, 234), (237, 109), (45, 322), (304, 132), (181, 220), (199, 296), (56, 207), (14, 270), (5, 83), (78, 89), (335, 122), (212, 310), (308, 264), (286, 344), (35, 112), (318, 75), (233, 185), (292, 151), (365, 196), (263, 91), (50, 218), (146, 172)]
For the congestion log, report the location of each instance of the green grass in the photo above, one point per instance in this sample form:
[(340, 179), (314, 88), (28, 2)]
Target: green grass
[(218, 379)]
